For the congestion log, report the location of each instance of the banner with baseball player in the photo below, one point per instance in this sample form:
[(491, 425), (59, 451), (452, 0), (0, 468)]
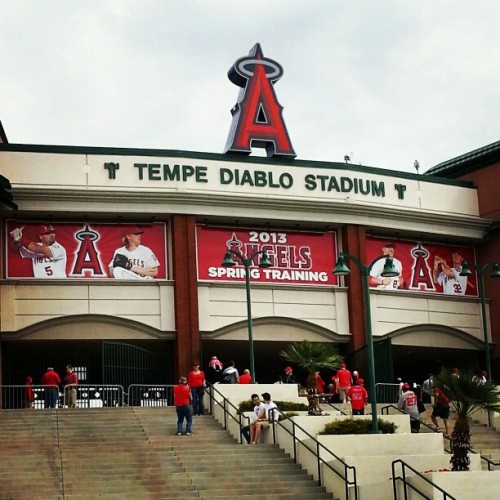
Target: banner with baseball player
[(298, 258), (85, 250), (423, 267)]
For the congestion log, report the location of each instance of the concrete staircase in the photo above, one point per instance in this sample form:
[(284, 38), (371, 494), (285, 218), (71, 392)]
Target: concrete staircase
[(135, 453), (484, 440)]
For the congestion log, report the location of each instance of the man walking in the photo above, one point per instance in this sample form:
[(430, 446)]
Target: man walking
[(71, 381), (358, 396), (441, 409), (51, 380), (408, 404), (428, 387), (182, 402), (344, 380)]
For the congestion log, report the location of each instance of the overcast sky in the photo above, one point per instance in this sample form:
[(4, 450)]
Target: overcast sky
[(385, 81)]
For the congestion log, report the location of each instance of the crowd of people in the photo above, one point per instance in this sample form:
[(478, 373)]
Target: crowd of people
[(343, 387), (51, 382)]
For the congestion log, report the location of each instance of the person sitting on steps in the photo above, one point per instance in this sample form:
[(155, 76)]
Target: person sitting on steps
[(267, 416)]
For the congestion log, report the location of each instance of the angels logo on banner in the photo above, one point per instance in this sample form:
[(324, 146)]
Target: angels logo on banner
[(424, 267), (63, 250), (297, 257)]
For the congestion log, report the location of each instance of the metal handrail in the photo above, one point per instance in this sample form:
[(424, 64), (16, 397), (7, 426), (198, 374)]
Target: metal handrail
[(225, 402), (406, 484), (491, 464), (385, 411), (316, 453)]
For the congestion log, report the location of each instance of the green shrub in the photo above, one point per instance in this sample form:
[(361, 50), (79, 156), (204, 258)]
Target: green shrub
[(282, 406), (358, 426)]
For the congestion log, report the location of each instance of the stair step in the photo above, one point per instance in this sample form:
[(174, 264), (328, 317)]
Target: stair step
[(136, 453)]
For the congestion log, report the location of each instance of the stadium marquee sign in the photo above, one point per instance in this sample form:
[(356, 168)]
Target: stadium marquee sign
[(258, 178)]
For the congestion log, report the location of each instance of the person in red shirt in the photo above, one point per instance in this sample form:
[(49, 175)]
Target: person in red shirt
[(71, 381), (440, 409), (246, 378), (29, 397), (357, 396), (344, 382), (182, 400), (196, 381), (320, 384), (51, 380)]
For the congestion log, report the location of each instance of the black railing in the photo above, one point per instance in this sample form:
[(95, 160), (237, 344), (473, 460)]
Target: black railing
[(236, 415), (225, 404), (407, 484), (317, 453), (492, 465)]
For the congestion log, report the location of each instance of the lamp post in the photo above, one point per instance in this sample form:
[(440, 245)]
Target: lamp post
[(389, 271), (495, 273), (247, 262)]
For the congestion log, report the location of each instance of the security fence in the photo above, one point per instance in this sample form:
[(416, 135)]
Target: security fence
[(42, 396)]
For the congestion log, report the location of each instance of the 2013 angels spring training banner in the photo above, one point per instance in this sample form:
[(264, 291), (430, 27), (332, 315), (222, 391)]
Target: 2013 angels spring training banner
[(424, 267), (296, 257), (85, 250)]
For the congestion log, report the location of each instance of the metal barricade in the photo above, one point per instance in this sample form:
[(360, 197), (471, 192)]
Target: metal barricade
[(148, 395), (95, 395), (15, 397), (387, 393)]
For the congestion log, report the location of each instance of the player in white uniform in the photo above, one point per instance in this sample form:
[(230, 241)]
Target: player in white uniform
[(449, 277), (142, 262), (48, 256), (376, 278)]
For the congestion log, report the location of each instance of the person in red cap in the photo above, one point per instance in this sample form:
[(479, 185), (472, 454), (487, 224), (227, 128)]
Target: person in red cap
[(357, 396), (47, 256), (133, 260), (289, 376), (408, 403)]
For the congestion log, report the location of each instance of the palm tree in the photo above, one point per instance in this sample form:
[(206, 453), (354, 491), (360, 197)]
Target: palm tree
[(312, 356), (466, 395)]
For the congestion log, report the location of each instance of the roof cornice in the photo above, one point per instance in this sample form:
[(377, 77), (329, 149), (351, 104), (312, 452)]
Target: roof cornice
[(468, 162), (227, 157)]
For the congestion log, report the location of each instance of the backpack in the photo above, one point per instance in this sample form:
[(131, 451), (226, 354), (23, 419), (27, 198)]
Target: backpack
[(229, 378)]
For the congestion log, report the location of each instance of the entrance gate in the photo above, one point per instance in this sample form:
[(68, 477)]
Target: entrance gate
[(125, 364)]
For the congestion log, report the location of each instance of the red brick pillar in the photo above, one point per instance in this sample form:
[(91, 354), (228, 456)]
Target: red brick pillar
[(187, 346)]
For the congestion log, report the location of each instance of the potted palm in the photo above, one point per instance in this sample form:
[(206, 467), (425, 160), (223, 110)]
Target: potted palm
[(467, 395), (312, 356)]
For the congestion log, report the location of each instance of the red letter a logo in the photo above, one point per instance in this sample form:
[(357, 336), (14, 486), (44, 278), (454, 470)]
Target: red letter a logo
[(257, 118)]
